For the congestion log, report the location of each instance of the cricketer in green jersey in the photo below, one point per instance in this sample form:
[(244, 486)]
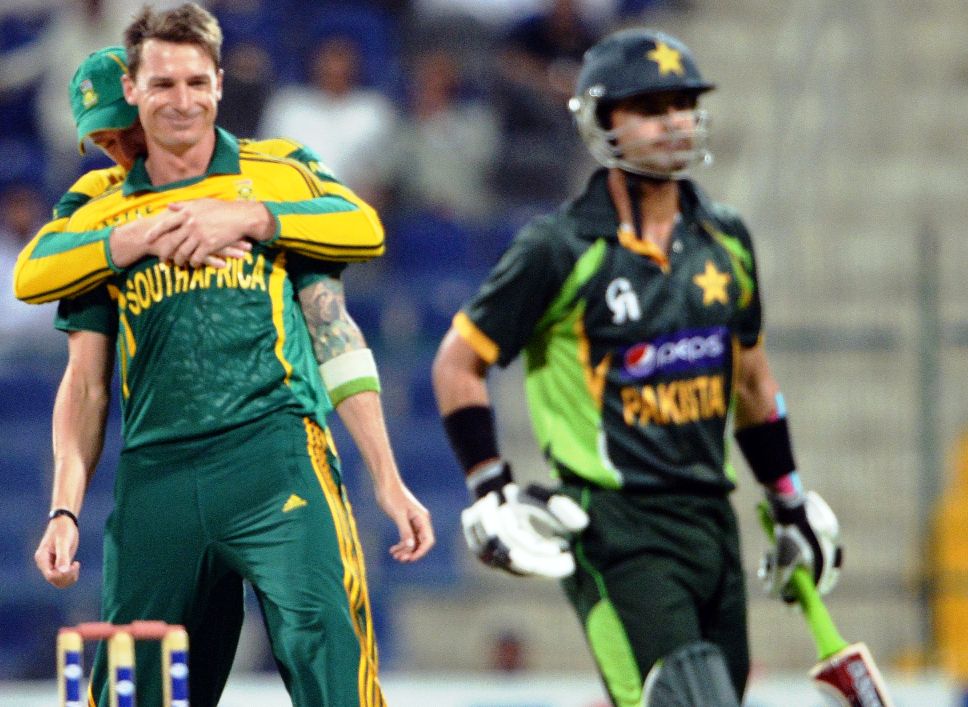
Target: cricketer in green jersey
[(52, 266), (273, 534), (637, 308)]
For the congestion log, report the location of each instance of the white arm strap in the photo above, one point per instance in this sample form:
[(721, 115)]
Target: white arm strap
[(350, 373)]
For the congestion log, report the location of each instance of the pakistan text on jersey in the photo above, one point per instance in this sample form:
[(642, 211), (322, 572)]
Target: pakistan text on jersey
[(676, 402), (145, 287)]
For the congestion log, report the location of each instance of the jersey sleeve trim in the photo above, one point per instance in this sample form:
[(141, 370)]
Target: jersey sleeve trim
[(69, 203), (483, 345), (332, 224), (107, 254), (320, 205), (56, 243), (60, 264), (76, 287)]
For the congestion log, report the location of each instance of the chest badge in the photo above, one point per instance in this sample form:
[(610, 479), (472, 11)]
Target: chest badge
[(621, 299), (713, 284)]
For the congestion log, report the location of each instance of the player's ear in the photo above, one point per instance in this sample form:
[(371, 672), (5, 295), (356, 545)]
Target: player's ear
[(128, 85), (218, 84)]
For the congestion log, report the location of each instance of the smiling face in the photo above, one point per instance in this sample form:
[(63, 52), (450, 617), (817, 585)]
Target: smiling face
[(177, 89)]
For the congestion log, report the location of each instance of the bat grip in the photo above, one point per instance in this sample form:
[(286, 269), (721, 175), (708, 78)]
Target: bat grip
[(825, 634)]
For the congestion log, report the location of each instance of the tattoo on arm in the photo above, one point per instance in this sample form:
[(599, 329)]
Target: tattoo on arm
[(331, 327)]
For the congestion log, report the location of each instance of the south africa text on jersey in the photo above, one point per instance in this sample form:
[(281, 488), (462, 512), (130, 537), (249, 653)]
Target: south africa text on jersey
[(676, 402), (144, 288)]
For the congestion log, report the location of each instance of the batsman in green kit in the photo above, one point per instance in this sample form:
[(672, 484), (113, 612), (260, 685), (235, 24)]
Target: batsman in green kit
[(637, 308), (227, 468)]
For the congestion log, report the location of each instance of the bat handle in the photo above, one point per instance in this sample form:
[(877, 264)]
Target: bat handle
[(825, 635)]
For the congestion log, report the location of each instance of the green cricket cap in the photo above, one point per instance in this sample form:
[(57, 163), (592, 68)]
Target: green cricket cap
[(97, 98)]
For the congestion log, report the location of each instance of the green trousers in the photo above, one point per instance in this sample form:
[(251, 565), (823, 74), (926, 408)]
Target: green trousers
[(656, 572), (263, 503)]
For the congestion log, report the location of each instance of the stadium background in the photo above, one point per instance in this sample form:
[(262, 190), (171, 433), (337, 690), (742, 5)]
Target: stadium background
[(838, 131)]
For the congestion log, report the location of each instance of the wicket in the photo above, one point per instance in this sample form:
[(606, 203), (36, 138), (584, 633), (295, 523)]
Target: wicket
[(121, 638)]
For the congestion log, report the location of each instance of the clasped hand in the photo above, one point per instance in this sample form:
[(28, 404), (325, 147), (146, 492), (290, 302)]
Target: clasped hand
[(205, 232)]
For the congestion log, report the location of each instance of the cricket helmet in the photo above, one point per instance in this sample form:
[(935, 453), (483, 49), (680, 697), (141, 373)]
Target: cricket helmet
[(633, 62)]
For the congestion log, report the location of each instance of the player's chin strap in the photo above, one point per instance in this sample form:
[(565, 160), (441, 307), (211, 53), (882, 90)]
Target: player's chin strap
[(694, 675)]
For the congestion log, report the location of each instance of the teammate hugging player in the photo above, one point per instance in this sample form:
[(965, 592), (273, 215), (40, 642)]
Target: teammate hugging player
[(228, 470), (638, 311)]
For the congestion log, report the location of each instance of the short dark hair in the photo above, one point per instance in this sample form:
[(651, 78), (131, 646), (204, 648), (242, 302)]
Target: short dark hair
[(185, 24)]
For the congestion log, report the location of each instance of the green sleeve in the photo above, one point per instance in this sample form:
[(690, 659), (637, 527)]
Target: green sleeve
[(748, 321), (304, 271), (308, 157), (94, 311)]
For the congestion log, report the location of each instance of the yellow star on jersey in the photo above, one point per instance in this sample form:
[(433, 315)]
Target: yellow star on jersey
[(713, 284), (668, 59)]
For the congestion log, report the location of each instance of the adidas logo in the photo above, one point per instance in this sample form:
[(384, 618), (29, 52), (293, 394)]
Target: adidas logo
[(294, 502)]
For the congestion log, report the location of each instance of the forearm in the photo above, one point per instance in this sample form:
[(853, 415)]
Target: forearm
[(459, 379), (129, 243), (350, 376), (756, 389), (761, 430), (80, 412), (362, 414), (335, 226), (256, 221), (57, 264)]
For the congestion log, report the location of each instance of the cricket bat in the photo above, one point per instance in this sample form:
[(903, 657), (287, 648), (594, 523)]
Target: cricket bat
[(846, 671)]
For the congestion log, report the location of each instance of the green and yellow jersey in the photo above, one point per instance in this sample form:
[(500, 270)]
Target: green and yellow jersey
[(629, 355), (327, 221), (205, 350)]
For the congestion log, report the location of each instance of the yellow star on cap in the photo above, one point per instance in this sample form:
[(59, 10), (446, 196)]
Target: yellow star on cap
[(713, 284), (668, 59)]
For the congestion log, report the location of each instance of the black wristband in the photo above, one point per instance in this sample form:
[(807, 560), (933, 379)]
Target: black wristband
[(471, 434), (63, 512), (767, 449)]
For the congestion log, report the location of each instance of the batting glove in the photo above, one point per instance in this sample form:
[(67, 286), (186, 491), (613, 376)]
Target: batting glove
[(524, 532), (806, 533)]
